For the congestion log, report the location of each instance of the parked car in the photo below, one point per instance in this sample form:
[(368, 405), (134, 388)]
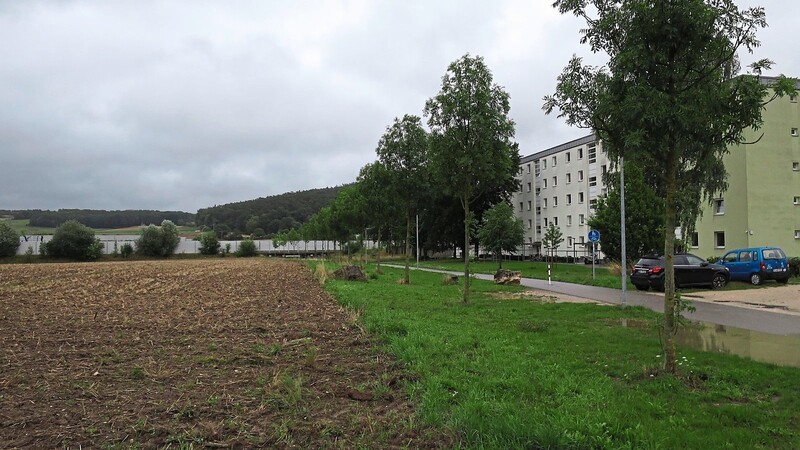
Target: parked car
[(690, 270), (595, 257), (757, 264)]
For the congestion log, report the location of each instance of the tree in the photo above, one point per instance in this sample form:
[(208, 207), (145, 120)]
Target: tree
[(9, 240), (158, 241), (73, 240), (403, 151), (501, 231), (375, 187), (553, 237), (644, 215), (209, 244), (247, 248), (472, 150), (669, 98)]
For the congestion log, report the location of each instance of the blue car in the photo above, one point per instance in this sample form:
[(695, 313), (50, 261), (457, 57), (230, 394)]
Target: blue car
[(757, 264)]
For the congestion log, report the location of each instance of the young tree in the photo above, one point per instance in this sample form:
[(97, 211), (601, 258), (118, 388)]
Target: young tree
[(472, 149), (403, 151), (209, 244), (501, 231), (668, 98), (553, 237), (644, 216), (9, 240)]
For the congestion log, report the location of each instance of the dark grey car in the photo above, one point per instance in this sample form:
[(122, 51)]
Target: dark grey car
[(690, 270)]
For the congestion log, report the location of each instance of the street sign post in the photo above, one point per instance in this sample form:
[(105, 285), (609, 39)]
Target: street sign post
[(594, 238)]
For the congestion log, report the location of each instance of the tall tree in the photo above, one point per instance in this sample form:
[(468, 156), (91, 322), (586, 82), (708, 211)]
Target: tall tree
[(375, 186), (501, 231), (668, 98), (472, 149), (644, 216), (403, 151)]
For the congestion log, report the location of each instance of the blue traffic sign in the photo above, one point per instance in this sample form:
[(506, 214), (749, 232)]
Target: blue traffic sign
[(594, 236)]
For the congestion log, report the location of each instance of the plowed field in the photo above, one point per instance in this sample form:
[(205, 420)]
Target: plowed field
[(214, 353)]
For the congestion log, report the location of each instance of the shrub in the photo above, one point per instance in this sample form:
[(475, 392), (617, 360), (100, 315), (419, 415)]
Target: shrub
[(74, 240), (794, 266), (247, 248), (712, 259), (258, 233), (126, 250), (158, 241), (209, 245), (9, 240)]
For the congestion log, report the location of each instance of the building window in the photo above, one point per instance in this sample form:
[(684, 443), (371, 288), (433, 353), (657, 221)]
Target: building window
[(570, 241), (520, 206), (544, 203), (545, 221), (569, 178), (581, 219), (794, 132), (569, 221), (580, 175), (555, 202), (569, 199), (529, 205), (719, 206), (538, 190), (695, 237), (793, 98), (719, 239), (544, 183), (593, 203), (529, 187), (797, 234), (581, 240), (538, 229), (580, 153), (538, 210), (797, 199), (544, 164), (555, 221), (569, 157), (530, 224), (529, 168), (592, 181), (796, 166), (555, 181), (536, 168), (592, 154), (603, 169), (555, 161), (580, 197)]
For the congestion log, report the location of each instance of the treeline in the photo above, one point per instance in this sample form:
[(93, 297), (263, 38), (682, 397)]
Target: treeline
[(268, 215), (101, 218)]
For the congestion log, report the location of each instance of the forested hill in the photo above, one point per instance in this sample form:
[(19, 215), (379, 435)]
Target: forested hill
[(100, 218), (271, 214)]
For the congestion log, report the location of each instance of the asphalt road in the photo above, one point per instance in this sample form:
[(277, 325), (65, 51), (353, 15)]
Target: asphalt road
[(772, 322)]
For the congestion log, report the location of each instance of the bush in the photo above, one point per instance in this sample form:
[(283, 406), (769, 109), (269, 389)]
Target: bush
[(126, 250), (158, 241), (247, 248), (209, 245), (9, 240), (712, 259), (794, 267), (74, 240)]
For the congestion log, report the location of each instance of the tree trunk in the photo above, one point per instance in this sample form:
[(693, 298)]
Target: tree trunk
[(408, 243), (378, 252), (499, 259), (466, 248), (669, 263)]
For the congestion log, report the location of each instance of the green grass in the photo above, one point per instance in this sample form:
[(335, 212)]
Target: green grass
[(521, 373)]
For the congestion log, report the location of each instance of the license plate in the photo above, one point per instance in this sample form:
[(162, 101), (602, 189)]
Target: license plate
[(778, 270)]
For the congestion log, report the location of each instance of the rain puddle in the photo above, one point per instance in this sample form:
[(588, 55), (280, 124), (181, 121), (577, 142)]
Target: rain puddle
[(763, 347)]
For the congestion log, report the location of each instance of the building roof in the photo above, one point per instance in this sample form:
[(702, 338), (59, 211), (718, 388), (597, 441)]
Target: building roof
[(559, 148)]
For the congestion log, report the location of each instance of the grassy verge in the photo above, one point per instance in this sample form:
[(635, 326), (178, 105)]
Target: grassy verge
[(511, 371)]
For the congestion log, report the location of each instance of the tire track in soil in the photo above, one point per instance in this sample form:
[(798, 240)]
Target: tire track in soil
[(222, 353)]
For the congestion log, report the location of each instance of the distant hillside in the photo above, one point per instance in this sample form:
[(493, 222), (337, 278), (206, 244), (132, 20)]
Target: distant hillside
[(95, 218), (271, 214)]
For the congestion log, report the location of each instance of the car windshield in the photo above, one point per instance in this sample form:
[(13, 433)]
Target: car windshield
[(772, 253), (648, 262)]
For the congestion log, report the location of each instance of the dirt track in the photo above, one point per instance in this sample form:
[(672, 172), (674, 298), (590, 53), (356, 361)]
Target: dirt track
[(224, 353)]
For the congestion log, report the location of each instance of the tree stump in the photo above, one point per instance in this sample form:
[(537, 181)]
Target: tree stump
[(350, 273), (450, 279), (504, 276)]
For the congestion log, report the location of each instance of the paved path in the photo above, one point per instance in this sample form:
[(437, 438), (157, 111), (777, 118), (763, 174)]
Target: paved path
[(772, 322)]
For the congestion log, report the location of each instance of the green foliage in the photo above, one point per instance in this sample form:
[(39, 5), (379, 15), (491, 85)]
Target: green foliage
[(553, 237), (9, 240), (794, 266), (158, 241), (644, 216), (258, 233), (247, 248), (104, 219), (126, 250), (209, 244), (501, 230), (73, 240), (472, 152)]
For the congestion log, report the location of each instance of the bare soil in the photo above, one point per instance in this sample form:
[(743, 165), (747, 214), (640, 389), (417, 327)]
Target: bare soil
[(213, 353), (773, 296)]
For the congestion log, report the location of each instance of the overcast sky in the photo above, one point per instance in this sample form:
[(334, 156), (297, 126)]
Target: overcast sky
[(180, 105)]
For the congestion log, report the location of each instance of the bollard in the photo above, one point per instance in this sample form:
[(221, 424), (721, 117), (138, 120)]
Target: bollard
[(549, 281)]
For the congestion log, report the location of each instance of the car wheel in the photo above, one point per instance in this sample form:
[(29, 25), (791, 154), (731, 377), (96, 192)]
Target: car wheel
[(755, 279), (641, 288), (718, 281)]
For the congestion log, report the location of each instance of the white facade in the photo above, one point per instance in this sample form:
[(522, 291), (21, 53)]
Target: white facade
[(559, 186)]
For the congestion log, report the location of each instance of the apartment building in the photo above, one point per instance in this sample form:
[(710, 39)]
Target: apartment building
[(560, 186), (761, 207)]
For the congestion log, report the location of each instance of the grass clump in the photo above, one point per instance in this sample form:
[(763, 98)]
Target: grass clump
[(531, 374)]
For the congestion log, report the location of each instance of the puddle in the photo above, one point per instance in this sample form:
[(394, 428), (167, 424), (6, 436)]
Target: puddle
[(763, 347)]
